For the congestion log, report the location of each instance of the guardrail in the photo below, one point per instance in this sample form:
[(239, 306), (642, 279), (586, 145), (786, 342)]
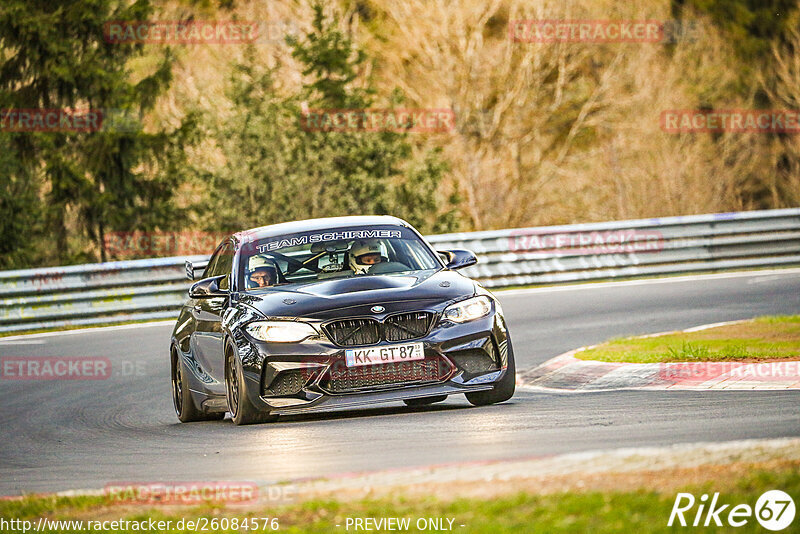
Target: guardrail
[(80, 295)]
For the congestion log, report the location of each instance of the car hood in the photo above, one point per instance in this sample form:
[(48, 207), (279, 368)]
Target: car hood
[(353, 296)]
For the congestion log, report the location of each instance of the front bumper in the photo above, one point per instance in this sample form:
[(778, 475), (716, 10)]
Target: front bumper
[(311, 376)]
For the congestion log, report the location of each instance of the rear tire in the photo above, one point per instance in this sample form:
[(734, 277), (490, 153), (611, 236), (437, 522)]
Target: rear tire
[(185, 408), (424, 401), (503, 390), (242, 410)]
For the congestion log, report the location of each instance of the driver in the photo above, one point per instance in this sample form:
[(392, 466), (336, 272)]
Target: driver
[(365, 253), (261, 272)]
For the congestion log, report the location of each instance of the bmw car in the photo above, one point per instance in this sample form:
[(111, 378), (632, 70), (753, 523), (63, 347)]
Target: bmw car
[(330, 314)]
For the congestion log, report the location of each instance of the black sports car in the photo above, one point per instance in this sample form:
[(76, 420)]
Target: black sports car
[(333, 313)]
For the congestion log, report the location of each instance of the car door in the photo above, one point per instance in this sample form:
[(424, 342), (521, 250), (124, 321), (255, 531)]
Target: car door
[(208, 322)]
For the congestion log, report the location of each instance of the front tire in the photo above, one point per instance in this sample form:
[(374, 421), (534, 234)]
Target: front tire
[(503, 390), (182, 400), (242, 410)]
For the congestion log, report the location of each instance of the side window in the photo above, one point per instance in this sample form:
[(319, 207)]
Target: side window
[(224, 264)]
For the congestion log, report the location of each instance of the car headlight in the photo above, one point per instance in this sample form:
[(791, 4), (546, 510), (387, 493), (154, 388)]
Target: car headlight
[(280, 331), (468, 310)]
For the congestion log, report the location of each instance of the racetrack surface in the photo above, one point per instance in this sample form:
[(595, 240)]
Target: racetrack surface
[(59, 435)]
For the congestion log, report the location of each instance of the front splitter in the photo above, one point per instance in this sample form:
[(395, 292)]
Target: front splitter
[(358, 400)]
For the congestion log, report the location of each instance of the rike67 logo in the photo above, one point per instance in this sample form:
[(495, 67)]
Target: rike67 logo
[(774, 510)]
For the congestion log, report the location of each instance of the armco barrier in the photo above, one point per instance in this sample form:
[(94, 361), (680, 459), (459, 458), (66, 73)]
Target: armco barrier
[(155, 288)]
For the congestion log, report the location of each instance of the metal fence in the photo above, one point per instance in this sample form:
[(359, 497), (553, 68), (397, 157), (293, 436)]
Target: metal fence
[(155, 288)]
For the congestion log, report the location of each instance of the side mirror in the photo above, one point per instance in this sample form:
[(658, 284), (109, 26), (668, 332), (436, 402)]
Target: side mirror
[(194, 269), (458, 259), (208, 288)]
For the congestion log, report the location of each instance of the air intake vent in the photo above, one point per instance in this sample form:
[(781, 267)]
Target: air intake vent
[(286, 384), (341, 379)]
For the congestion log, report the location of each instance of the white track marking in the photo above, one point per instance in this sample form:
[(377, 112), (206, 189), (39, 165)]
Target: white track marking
[(713, 325), (90, 330)]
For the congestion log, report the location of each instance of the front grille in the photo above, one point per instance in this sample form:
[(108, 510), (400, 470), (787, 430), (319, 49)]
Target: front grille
[(407, 326), (351, 332), (368, 331), (342, 379)]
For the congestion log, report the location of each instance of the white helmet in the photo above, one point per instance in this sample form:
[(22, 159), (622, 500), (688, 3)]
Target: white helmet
[(257, 262), (360, 248)]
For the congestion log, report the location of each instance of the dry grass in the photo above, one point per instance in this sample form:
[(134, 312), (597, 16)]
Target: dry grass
[(546, 133), (556, 133)]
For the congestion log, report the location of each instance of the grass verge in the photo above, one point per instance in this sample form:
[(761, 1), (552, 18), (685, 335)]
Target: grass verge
[(763, 338), (644, 509)]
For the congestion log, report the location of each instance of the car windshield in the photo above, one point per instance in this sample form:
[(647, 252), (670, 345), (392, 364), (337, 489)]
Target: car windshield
[(333, 254)]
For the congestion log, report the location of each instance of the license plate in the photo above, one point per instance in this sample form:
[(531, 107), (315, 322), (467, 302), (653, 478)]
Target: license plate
[(385, 354)]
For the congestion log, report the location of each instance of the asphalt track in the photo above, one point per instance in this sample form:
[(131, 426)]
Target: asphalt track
[(58, 435)]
